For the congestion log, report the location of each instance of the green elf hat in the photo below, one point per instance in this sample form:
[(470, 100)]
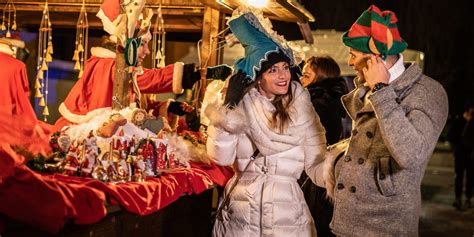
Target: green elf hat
[(375, 32)]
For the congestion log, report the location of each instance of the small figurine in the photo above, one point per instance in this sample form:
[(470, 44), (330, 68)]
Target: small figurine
[(139, 169), (72, 162), (90, 156), (145, 121), (110, 127)]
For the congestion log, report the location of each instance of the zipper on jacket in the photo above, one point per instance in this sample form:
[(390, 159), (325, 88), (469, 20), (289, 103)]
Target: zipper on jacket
[(264, 170)]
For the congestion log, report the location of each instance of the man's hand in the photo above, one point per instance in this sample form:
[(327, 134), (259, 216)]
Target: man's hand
[(191, 74), (376, 71)]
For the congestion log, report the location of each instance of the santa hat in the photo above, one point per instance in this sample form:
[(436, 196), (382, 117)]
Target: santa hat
[(109, 11), (263, 46), (375, 32), (109, 14), (15, 40)]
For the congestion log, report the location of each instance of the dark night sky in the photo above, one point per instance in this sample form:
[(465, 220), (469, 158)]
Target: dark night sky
[(441, 29)]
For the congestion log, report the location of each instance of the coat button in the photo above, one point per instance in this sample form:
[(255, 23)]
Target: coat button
[(382, 176), (354, 132), (340, 186), (353, 189), (369, 134), (360, 161), (347, 159)]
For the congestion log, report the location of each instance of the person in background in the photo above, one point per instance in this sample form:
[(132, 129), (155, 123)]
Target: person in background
[(269, 117), (398, 114), (15, 92), (92, 93), (464, 158), (322, 78)]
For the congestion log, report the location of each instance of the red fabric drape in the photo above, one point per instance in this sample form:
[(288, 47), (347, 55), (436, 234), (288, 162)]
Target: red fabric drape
[(48, 201)]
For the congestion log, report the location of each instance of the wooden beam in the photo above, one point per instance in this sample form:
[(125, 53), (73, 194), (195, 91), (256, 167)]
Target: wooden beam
[(283, 10), (208, 47), (64, 14), (306, 32)]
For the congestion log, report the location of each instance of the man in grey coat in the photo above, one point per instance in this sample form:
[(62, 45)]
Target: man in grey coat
[(398, 114)]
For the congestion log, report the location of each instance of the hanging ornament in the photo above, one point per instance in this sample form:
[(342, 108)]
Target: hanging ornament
[(159, 35), (9, 18), (45, 111), (50, 47), (38, 93), (41, 102), (76, 55), (40, 74), (77, 66), (82, 35), (37, 84), (45, 51), (44, 66), (49, 58)]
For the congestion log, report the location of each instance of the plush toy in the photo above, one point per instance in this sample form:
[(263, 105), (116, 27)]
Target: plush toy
[(144, 121), (110, 127)]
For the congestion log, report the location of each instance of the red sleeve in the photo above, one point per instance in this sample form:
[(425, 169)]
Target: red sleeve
[(156, 80)]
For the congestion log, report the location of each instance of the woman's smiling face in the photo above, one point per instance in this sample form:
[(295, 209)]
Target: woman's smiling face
[(275, 80)]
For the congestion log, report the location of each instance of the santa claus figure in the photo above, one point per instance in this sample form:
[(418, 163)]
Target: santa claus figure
[(93, 93), (15, 92)]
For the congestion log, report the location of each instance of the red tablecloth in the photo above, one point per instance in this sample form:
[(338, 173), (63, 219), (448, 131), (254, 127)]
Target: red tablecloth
[(48, 201)]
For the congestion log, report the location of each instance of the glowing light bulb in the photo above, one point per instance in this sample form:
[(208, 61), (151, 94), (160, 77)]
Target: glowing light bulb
[(257, 3)]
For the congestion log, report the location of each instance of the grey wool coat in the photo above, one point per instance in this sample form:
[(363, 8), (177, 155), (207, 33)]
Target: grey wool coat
[(377, 180)]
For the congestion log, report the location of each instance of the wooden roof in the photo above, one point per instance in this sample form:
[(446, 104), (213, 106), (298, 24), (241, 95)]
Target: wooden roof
[(283, 10), (179, 15)]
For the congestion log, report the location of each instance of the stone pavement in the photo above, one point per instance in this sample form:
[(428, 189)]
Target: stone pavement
[(438, 217)]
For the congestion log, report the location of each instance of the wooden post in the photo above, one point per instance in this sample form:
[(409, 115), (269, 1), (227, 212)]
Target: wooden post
[(122, 80), (210, 28)]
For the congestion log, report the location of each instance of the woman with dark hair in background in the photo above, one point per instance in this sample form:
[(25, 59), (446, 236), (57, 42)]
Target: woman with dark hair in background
[(321, 76)]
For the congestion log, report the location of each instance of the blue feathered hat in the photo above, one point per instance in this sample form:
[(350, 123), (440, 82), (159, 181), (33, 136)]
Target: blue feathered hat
[(263, 46)]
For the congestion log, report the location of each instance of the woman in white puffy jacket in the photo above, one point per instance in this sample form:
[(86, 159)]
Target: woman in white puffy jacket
[(267, 200), (276, 117)]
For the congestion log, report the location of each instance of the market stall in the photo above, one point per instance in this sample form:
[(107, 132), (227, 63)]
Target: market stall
[(112, 172)]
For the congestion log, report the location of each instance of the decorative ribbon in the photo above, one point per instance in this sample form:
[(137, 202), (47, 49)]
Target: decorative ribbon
[(131, 48)]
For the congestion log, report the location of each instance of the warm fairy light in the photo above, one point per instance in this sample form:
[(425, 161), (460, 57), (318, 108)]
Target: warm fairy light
[(257, 3)]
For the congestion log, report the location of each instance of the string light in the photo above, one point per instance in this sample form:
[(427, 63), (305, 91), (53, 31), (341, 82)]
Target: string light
[(82, 35), (45, 51), (159, 36), (8, 10)]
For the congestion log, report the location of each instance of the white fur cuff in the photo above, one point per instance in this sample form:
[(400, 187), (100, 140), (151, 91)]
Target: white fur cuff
[(334, 152), (231, 120), (178, 78)]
